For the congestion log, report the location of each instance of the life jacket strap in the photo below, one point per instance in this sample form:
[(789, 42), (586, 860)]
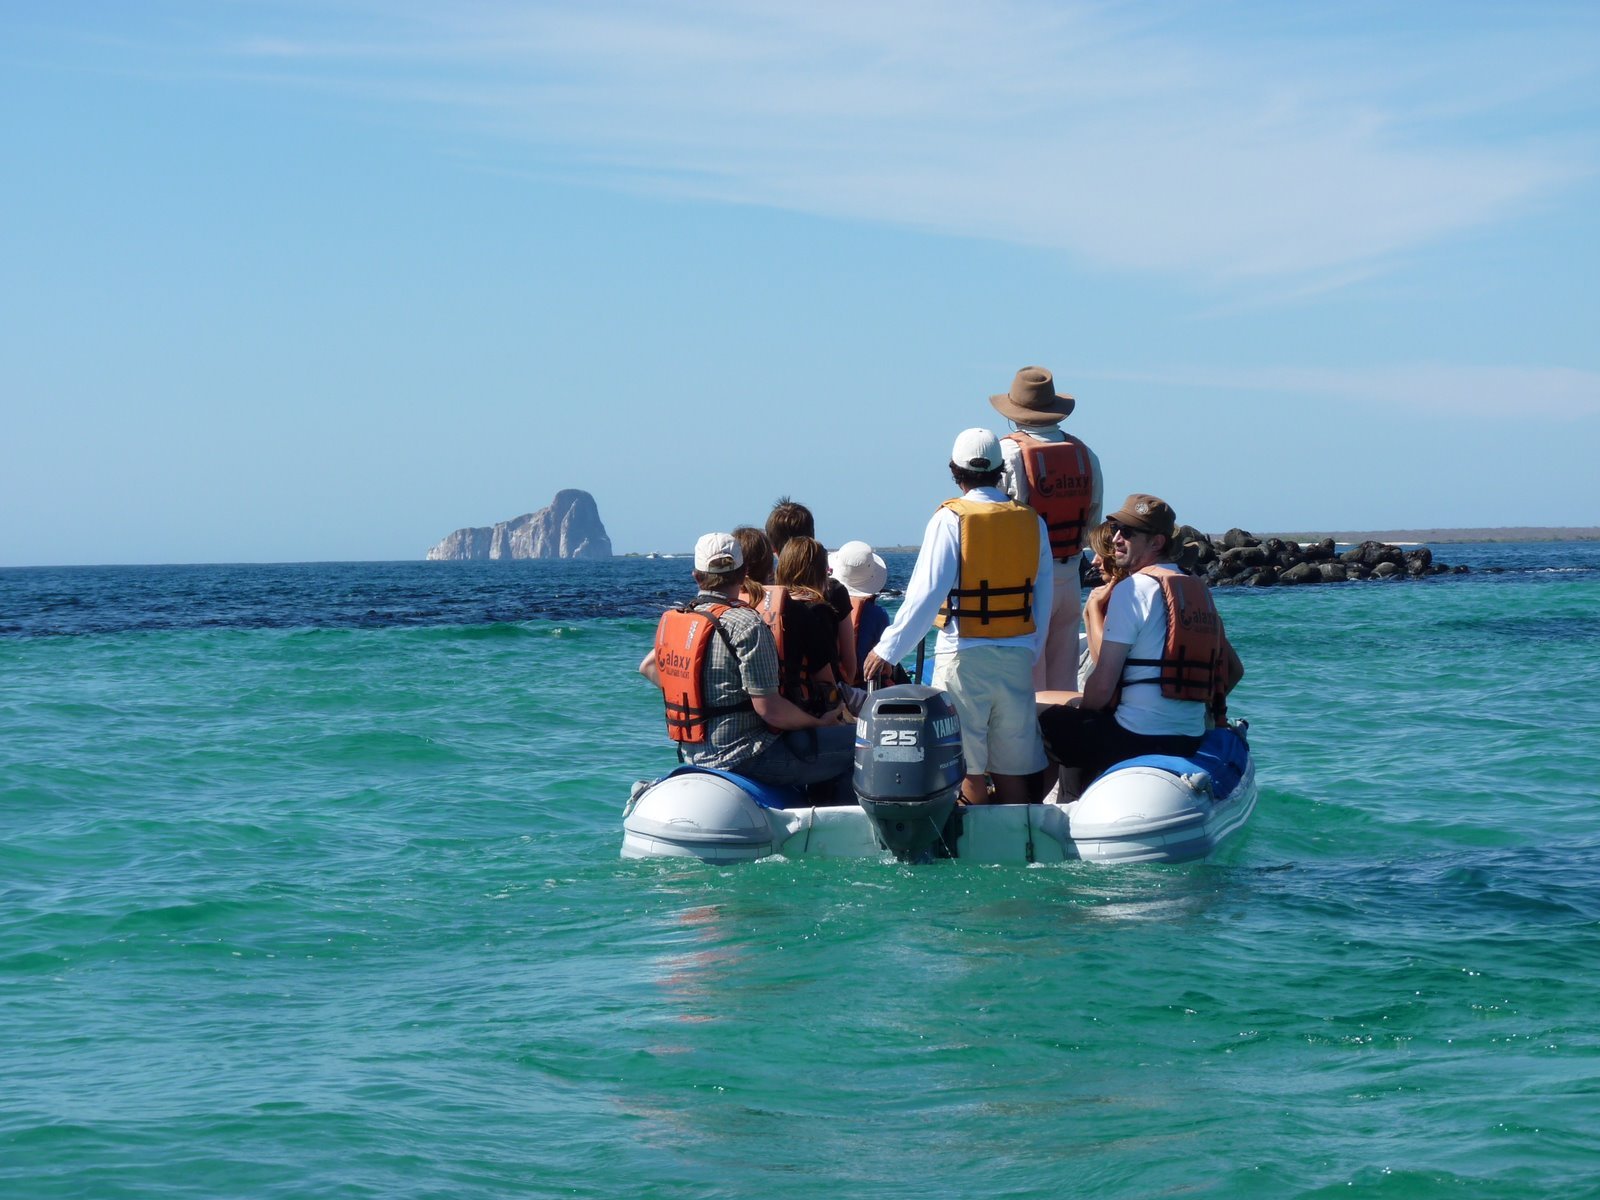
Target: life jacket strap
[(985, 612)]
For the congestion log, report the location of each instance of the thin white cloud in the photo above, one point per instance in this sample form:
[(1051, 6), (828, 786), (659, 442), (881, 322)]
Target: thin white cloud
[(1560, 393), (1106, 131)]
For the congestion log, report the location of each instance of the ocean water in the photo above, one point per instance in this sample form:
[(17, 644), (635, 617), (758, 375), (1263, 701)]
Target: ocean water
[(309, 887)]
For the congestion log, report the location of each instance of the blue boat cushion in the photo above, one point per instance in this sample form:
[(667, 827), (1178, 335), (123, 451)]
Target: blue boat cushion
[(1222, 755), (767, 795)]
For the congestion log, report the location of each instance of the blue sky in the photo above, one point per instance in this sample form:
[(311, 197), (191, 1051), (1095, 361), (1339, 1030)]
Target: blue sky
[(328, 279)]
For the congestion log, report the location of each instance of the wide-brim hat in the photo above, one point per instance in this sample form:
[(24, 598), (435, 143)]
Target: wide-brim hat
[(1033, 399), (862, 572)]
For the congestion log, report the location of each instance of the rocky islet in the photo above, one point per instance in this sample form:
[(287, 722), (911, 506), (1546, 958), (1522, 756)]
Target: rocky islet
[(569, 527)]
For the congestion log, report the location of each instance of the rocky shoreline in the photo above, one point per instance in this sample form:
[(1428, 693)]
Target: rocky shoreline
[(1240, 559)]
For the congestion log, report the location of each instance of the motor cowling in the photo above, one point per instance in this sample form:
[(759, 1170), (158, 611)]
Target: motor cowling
[(909, 765)]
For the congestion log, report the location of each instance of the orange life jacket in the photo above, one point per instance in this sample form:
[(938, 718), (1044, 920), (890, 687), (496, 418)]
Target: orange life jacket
[(1193, 651), (1060, 488), (993, 596), (683, 639), (774, 600)]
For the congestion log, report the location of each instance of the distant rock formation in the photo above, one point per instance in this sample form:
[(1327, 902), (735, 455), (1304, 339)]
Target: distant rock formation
[(569, 528)]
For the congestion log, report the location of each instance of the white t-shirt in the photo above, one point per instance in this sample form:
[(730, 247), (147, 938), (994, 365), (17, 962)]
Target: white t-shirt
[(1137, 616)]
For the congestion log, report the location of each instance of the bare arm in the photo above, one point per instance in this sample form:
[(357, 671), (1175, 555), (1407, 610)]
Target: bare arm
[(1101, 687), (1232, 667), (784, 714), (847, 649), (648, 668)]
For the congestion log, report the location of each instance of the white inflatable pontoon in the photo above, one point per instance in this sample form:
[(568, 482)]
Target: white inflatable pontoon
[(1153, 809)]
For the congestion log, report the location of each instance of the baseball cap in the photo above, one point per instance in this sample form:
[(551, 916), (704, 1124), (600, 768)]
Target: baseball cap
[(716, 553), (976, 450)]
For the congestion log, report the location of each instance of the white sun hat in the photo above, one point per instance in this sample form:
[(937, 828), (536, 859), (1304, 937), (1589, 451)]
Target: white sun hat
[(862, 572)]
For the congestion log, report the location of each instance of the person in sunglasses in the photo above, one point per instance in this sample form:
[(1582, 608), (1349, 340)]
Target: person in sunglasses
[(1163, 659)]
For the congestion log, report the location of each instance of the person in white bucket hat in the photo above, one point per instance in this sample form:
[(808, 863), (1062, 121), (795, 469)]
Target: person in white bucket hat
[(863, 574), (984, 576)]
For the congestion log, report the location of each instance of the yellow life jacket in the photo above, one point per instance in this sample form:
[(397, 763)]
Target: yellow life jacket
[(993, 596)]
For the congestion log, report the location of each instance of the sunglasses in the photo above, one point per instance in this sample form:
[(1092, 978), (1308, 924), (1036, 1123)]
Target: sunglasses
[(1127, 532)]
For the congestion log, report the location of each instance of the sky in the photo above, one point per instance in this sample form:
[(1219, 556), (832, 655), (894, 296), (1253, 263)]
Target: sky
[(302, 280)]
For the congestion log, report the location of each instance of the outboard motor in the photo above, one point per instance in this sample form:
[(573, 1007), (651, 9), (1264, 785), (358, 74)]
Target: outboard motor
[(909, 766)]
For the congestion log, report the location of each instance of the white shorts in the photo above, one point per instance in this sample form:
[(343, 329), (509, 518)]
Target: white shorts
[(991, 688)]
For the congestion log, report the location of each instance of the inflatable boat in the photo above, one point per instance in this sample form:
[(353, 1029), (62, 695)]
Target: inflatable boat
[(908, 771)]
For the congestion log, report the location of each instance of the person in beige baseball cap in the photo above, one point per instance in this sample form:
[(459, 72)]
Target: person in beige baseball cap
[(717, 667), (1059, 476), (984, 577)]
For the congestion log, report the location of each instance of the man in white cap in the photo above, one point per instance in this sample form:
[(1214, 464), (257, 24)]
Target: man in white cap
[(1059, 477), (984, 575), (717, 668)]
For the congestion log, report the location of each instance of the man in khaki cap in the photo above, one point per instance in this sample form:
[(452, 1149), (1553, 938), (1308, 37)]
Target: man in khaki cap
[(1058, 476)]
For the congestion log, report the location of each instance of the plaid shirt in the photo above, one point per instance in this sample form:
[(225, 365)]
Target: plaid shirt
[(733, 739)]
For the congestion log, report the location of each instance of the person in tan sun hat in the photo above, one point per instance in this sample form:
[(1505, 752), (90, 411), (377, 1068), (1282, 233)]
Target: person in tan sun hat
[(1059, 477)]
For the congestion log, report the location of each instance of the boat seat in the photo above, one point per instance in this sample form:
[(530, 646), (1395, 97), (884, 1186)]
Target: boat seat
[(1222, 755), (767, 795)]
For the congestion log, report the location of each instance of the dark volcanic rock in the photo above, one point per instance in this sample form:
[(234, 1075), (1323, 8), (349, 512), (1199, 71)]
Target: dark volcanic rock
[(1237, 537), (1240, 559)]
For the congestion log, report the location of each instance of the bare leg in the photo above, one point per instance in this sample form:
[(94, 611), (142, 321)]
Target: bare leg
[(1012, 789), (1071, 785)]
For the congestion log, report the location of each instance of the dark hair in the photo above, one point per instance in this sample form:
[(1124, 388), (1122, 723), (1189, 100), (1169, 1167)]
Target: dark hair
[(757, 561), (719, 581), (789, 519), (757, 553), (967, 479), (1100, 543), (803, 565)]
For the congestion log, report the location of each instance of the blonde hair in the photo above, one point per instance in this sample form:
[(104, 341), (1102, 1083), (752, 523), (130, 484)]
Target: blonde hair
[(803, 567)]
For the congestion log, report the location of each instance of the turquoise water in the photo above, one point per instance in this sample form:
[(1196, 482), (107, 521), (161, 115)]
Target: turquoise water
[(309, 887)]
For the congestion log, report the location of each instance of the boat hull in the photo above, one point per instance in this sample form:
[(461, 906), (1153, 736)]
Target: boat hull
[(1144, 811)]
